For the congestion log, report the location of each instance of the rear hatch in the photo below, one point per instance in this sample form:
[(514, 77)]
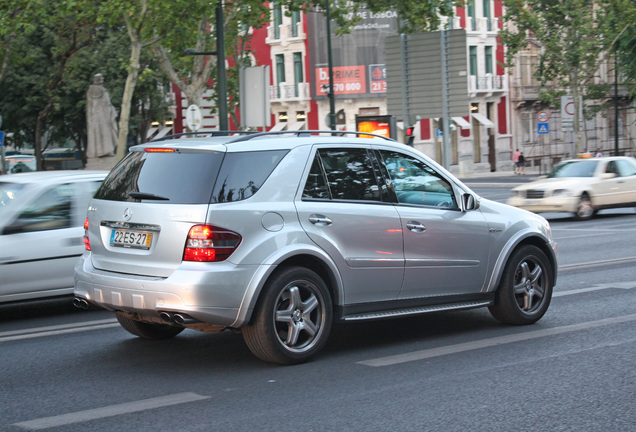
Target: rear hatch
[(141, 215)]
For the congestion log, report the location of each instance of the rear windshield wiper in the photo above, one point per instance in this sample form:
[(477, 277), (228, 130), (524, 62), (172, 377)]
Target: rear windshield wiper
[(144, 195)]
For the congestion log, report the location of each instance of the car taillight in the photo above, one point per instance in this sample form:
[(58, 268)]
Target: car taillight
[(209, 243), (87, 242)]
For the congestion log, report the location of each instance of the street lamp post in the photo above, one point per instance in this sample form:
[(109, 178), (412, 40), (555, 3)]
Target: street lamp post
[(221, 79), (331, 94)]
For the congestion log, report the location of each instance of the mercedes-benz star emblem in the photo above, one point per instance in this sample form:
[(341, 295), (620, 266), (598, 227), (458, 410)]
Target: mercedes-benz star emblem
[(127, 214)]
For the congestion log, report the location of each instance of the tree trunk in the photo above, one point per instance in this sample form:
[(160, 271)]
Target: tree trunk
[(126, 102), (576, 95)]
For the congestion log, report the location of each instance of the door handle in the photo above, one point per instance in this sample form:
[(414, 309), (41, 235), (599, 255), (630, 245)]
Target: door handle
[(321, 220), (415, 226)]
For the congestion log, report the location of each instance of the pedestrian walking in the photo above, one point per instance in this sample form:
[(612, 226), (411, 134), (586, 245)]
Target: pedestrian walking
[(515, 160), (521, 164)]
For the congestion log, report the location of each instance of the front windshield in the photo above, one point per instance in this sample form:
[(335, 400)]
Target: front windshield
[(584, 168), (9, 192)]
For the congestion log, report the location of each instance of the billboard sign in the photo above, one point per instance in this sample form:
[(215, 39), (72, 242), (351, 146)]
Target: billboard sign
[(359, 67), (417, 72)]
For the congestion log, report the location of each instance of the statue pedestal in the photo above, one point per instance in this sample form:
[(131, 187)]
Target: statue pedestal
[(102, 163)]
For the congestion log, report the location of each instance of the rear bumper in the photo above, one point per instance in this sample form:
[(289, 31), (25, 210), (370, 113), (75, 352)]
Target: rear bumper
[(209, 294)]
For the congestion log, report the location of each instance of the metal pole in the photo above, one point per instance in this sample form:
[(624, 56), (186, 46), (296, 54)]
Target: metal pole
[(406, 118), (445, 100), (330, 94), (220, 67), (616, 104)]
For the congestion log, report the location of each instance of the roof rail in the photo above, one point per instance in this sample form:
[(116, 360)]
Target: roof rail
[(209, 133), (307, 133)]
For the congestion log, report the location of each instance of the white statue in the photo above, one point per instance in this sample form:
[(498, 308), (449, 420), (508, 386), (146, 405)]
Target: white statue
[(101, 120)]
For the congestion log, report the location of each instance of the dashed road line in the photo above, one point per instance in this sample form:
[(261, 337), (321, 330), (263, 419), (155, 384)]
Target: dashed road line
[(109, 411), (485, 343)]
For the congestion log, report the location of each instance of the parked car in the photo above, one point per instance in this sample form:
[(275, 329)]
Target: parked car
[(279, 235), (21, 163), (581, 186), (41, 218)]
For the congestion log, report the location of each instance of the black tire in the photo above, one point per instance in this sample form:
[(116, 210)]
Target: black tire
[(584, 209), (293, 318), (147, 330), (525, 289)]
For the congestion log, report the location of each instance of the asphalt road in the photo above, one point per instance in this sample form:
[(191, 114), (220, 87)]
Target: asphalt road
[(70, 370)]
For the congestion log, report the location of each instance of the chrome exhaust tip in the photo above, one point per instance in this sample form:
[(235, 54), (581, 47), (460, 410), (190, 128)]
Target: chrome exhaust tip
[(166, 317), (80, 303), (181, 318)]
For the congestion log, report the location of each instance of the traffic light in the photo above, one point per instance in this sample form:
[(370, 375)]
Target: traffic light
[(410, 135)]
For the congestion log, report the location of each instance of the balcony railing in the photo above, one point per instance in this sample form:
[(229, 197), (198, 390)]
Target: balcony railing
[(287, 91), (277, 34), (488, 83), (482, 25)]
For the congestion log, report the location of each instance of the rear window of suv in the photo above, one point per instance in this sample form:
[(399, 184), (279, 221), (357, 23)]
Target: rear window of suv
[(178, 178), (188, 178)]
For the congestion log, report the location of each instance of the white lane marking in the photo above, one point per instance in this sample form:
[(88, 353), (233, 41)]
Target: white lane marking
[(613, 285), (110, 411), (57, 327), (41, 333), (598, 263), (485, 343)]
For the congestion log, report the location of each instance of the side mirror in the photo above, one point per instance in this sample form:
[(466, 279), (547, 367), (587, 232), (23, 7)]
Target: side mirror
[(469, 202), (606, 176)]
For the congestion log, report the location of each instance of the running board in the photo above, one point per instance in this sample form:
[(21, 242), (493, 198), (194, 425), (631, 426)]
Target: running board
[(416, 311)]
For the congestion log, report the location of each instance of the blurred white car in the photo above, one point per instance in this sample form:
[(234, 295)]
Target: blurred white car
[(41, 228), (581, 186)]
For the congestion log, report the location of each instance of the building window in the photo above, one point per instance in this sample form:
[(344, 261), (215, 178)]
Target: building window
[(295, 20), (278, 19), (473, 16), (487, 14), (488, 54), (280, 72), (298, 72), (473, 60)]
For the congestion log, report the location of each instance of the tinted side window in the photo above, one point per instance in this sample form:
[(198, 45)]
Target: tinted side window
[(316, 186), (181, 178), (243, 174), (417, 183), (350, 174)]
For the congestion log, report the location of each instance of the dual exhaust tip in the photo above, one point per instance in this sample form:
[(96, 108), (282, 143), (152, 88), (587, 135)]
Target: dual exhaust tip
[(167, 317), (177, 318), (80, 303)]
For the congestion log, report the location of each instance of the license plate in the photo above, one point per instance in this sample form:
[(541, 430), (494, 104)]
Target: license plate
[(531, 202), (131, 238)]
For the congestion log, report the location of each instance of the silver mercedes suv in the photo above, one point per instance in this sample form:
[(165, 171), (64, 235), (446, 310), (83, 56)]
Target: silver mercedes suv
[(279, 235)]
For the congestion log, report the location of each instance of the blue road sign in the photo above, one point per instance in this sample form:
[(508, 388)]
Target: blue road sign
[(439, 132), (543, 128), (1, 138)]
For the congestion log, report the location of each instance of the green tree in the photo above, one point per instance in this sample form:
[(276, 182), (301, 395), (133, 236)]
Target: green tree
[(575, 38), (623, 20), (192, 74)]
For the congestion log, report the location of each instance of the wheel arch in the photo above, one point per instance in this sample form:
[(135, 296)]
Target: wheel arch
[(547, 247), (312, 259)]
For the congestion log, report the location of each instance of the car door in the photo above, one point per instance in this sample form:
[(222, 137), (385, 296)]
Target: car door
[(619, 189), (41, 245), (342, 210), (445, 249), (627, 182)]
